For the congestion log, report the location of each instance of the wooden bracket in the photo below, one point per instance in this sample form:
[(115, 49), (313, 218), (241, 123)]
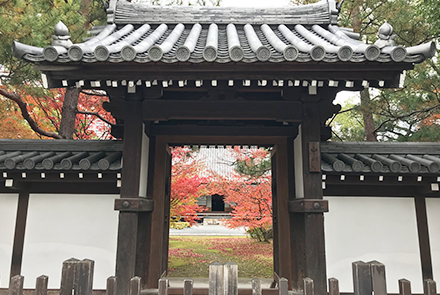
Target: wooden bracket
[(314, 157), (308, 206), (134, 204)]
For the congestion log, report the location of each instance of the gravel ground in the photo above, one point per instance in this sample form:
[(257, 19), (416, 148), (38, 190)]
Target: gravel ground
[(207, 230)]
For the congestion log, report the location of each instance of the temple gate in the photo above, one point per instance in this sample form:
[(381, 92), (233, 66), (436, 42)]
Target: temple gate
[(222, 76)]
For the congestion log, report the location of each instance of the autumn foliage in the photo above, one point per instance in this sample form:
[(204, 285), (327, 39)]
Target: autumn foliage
[(248, 191), (186, 185), (45, 109)]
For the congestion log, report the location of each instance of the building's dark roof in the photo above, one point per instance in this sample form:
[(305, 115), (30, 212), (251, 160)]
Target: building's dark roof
[(380, 158), (142, 33), (337, 158), (60, 156)]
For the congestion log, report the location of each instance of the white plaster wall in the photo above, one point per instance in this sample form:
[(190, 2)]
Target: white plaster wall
[(433, 209), (382, 229), (8, 212), (63, 226)]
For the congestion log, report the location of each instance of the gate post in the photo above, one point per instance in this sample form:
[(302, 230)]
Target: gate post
[(133, 245), (308, 207)]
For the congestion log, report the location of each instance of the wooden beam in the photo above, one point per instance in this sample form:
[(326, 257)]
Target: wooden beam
[(128, 221), (280, 204), (194, 130), (64, 177), (20, 229), (144, 237), (368, 190), (307, 228), (161, 71), (223, 140), (68, 188), (163, 110), (160, 215), (423, 234)]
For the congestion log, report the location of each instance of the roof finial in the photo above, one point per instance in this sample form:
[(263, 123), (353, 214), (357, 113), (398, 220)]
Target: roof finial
[(61, 37), (386, 36)]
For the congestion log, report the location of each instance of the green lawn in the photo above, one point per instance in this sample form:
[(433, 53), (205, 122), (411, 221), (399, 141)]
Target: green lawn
[(191, 256)]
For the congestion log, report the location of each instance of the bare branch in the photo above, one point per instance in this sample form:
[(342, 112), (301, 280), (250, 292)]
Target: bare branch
[(407, 115), (24, 112), (96, 114)]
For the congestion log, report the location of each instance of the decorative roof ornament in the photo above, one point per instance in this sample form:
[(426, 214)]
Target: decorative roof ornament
[(386, 36), (61, 37), (61, 42)]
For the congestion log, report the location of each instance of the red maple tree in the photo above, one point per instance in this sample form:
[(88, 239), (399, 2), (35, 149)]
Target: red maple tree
[(248, 191), (43, 112), (186, 185)]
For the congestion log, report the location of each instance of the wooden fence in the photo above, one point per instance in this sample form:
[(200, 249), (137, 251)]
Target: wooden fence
[(77, 278)]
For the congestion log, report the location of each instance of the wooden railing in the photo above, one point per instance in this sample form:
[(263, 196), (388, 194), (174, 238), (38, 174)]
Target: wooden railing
[(77, 279)]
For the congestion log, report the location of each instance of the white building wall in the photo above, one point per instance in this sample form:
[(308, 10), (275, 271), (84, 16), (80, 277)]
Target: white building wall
[(85, 226), (433, 209), (382, 229), (8, 212), (63, 226)]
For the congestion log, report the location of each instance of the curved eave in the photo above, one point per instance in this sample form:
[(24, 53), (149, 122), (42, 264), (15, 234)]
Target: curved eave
[(254, 44)]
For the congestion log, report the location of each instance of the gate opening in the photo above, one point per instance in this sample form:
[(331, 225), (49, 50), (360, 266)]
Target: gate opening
[(221, 208)]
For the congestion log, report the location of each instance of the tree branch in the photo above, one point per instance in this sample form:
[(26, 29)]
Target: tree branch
[(24, 112), (407, 115), (96, 114)]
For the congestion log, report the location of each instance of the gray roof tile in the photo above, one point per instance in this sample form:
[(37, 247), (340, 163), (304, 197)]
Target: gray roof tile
[(309, 32)]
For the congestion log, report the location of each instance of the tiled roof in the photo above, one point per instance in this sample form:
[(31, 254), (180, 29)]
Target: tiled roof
[(380, 158), (60, 155), (337, 158), (142, 33)]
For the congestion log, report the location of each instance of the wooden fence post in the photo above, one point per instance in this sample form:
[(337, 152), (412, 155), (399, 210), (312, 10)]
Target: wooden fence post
[(84, 277), (68, 276), (188, 287), (216, 279), (429, 287), (16, 285), (230, 276), (41, 285), (404, 287), (256, 287), (135, 286), (111, 286), (333, 286), (378, 278), (362, 278), (309, 288), (283, 285), (163, 286)]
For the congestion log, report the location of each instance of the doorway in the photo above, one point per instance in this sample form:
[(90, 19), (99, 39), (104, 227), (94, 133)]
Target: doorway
[(218, 203)]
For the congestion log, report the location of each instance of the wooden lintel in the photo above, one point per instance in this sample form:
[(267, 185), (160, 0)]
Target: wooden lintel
[(308, 206), (222, 140), (194, 130), (288, 70), (134, 204), (162, 110), (67, 188)]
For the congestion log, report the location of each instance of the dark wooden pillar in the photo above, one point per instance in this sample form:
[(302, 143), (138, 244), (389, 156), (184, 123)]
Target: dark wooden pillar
[(133, 232), (144, 239), (20, 229), (307, 217), (423, 234), (160, 215), (280, 202)]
